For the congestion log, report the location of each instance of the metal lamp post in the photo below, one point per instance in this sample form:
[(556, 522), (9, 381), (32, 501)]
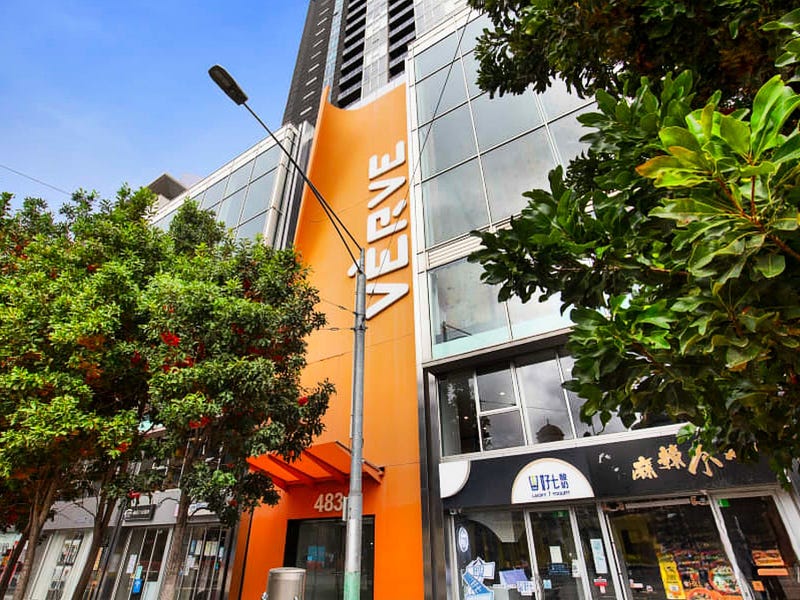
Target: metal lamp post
[(352, 573)]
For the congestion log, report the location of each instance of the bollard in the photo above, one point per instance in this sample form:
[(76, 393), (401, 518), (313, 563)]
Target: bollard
[(285, 583)]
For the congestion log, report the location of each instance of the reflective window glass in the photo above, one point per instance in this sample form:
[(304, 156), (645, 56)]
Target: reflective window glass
[(448, 84), (459, 421), (533, 317), (502, 430), (540, 384), (259, 195), (558, 101), (252, 228), (501, 118), (239, 178), (567, 133), (447, 141), (266, 161), (214, 194), (499, 538), (517, 167), (471, 67), (465, 313), (454, 203), (474, 31), (495, 389), (230, 208), (436, 56)]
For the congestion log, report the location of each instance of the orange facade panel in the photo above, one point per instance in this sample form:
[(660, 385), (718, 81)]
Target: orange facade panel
[(359, 161)]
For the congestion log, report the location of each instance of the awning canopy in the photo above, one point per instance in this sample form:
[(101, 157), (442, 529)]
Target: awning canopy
[(318, 464)]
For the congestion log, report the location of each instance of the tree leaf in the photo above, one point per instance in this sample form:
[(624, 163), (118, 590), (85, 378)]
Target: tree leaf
[(770, 265)]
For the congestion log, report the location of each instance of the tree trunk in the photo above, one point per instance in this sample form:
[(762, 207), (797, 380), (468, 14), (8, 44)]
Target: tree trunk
[(169, 587), (13, 558), (43, 501), (102, 516)]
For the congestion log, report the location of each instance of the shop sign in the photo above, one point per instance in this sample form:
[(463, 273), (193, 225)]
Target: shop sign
[(143, 512), (670, 457), (463, 539), (549, 479)]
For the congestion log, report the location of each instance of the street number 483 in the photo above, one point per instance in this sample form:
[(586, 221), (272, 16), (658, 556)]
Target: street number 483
[(329, 502)]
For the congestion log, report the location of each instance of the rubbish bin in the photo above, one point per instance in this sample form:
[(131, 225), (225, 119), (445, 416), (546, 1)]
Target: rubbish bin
[(286, 583)]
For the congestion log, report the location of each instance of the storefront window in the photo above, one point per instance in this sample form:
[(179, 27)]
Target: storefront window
[(762, 547), (596, 554), (674, 551), (491, 548), (140, 569), (204, 563)]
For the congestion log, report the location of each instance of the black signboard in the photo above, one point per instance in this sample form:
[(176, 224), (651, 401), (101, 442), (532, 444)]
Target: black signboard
[(655, 466), (144, 512)]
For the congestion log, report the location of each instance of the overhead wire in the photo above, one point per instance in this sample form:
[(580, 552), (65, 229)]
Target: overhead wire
[(39, 181)]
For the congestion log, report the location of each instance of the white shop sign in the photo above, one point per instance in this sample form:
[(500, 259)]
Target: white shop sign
[(547, 480)]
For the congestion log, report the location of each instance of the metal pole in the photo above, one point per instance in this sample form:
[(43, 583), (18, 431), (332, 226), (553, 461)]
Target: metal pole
[(352, 563)]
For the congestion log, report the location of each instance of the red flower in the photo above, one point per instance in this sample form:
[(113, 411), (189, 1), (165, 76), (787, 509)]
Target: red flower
[(133, 495), (91, 268), (170, 339), (302, 401), (123, 447)]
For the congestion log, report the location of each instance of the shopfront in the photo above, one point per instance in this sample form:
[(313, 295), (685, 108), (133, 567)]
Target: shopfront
[(639, 519)]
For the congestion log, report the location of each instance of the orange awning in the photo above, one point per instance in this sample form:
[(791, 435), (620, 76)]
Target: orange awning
[(318, 464)]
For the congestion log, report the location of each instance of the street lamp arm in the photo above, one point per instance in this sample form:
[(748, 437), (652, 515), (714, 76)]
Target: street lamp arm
[(228, 84)]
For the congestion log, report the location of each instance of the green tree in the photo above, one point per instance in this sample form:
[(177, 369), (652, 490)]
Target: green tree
[(226, 329), (68, 388), (674, 243), (600, 45)]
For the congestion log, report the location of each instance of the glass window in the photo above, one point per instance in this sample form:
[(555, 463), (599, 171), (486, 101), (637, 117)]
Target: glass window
[(259, 195), (459, 422), (558, 101), (762, 547), (266, 161), (465, 313), (471, 68), (500, 118), (597, 556), (239, 178), (231, 207), (534, 317), (252, 228), (164, 222), (474, 31), (447, 83), (673, 551), (447, 141), (567, 133), (436, 56), (493, 537), (502, 430), (495, 389), (517, 167), (546, 406), (454, 203), (214, 194)]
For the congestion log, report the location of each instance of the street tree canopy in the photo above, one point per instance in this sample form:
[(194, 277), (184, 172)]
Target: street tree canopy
[(674, 244), (120, 342), (600, 45)]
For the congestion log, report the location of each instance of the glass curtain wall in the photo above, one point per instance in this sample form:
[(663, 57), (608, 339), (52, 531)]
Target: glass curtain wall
[(242, 198), (477, 156)]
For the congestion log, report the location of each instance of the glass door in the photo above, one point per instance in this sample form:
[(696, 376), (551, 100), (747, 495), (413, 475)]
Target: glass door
[(559, 565)]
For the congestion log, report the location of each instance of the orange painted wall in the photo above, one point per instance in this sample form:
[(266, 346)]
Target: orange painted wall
[(345, 140)]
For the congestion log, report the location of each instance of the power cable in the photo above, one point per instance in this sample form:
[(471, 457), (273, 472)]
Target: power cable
[(39, 181)]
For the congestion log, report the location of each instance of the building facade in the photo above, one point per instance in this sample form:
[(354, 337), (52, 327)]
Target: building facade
[(480, 480), (520, 497)]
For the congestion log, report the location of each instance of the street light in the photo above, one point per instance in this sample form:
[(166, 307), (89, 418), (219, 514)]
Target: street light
[(352, 564)]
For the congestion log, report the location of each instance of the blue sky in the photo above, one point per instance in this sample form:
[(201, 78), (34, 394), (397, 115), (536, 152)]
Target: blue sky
[(95, 94)]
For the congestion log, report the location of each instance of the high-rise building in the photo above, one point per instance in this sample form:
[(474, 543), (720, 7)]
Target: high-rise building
[(480, 480), (355, 47)]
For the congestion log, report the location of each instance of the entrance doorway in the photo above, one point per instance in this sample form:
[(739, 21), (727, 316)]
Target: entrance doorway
[(552, 555), (318, 546)]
